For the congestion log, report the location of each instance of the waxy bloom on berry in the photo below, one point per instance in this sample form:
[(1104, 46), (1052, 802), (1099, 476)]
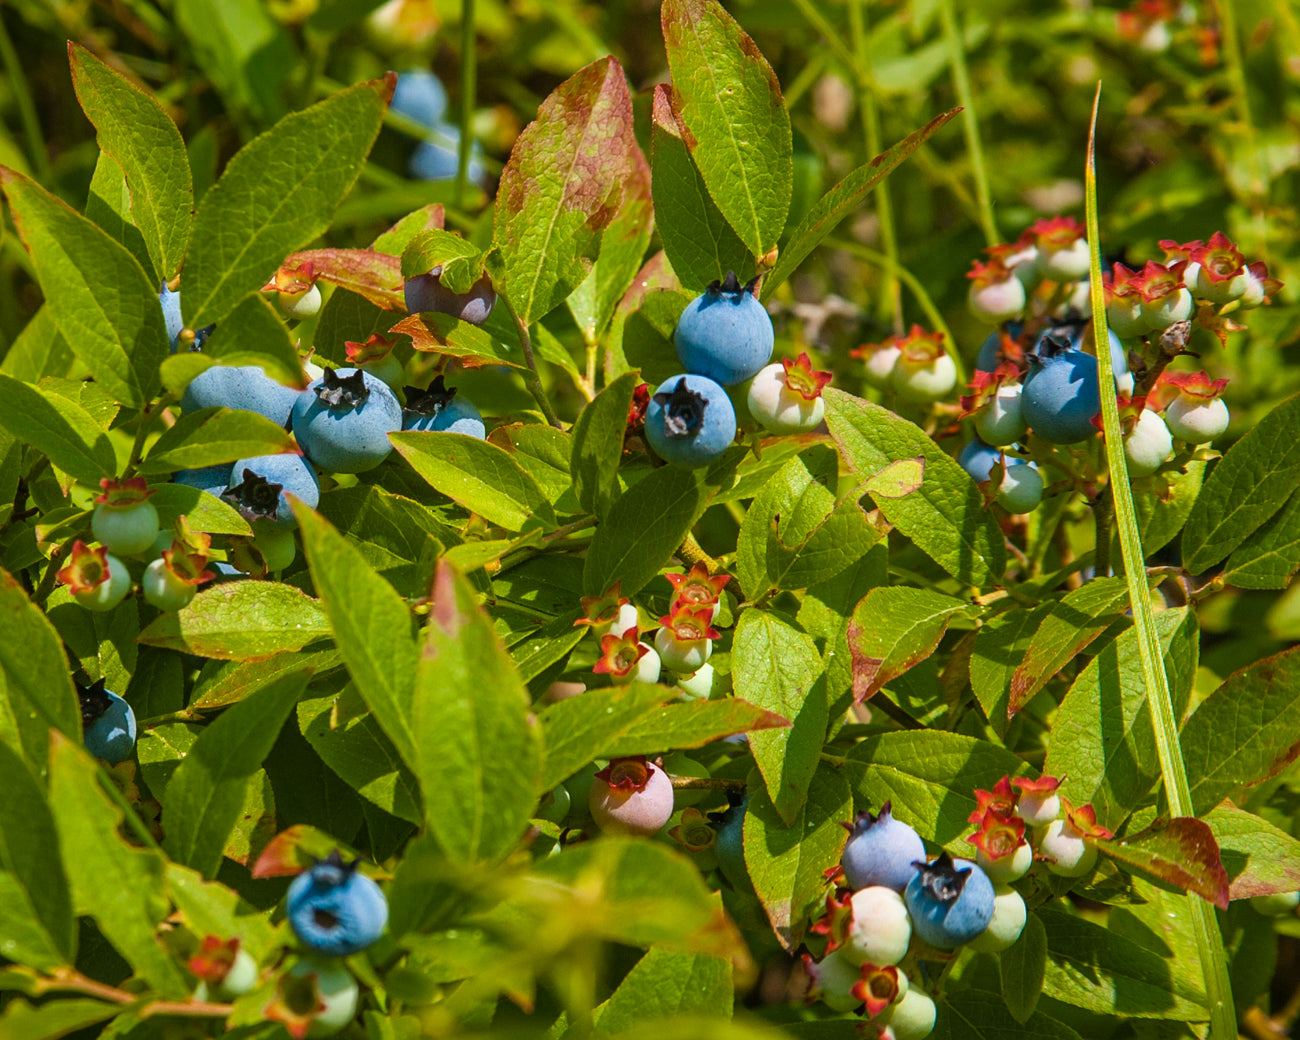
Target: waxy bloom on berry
[(1038, 802)]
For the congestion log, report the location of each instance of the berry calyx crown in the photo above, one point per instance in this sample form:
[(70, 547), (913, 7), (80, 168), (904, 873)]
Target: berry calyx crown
[(683, 409), (998, 835), (941, 879), (627, 774), (215, 959), (430, 401), (802, 380), (293, 279), (123, 494), (1192, 386), (697, 587), (87, 569), (690, 622), (619, 654), (1001, 800), (866, 819), (730, 286), (343, 391), (984, 387), (694, 833), (93, 700), (256, 498), (332, 871)]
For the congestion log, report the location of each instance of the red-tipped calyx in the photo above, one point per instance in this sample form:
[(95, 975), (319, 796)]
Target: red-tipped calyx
[(998, 835), (689, 623), (619, 654), (86, 569), (1001, 800), (802, 380), (627, 774)]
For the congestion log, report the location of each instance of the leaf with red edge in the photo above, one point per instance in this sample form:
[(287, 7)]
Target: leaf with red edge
[(434, 333), (893, 629), (1260, 859), (559, 190), (1076, 620), (293, 850), (376, 276), (1181, 851)]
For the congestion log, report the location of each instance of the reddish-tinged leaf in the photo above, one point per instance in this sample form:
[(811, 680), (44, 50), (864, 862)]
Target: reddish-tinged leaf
[(1181, 851), (561, 187), (1260, 859), (1076, 620), (376, 276), (292, 851), (442, 334), (894, 628)]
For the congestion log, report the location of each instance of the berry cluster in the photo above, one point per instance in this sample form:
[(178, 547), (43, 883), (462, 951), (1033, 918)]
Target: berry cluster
[(897, 908)]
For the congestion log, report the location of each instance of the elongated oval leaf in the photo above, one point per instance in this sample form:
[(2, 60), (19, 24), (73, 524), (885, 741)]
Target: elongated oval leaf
[(211, 436), (59, 427), (240, 620), (894, 628), (277, 194), (205, 795), (104, 304), (371, 626), (1246, 487), (478, 752), (598, 445), (945, 517), (135, 131), (733, 118), (557, 192), (480, 476)]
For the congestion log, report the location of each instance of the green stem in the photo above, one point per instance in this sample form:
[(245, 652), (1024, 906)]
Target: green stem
[(533, 379), (891, 304), (148, 414), (468, 88), (1209, 942), (40, 159), (932, 313), (969, 120), (1237, 76)]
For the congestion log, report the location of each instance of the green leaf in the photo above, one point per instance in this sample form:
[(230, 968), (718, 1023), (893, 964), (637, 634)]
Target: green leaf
[(622, 247), (478, 755), (973, 1014), (1000, 646), (59, 428), (795, 534), (255, 334), (460, 261), (787, 863), (598, 445), (557, 192), (732, 117), (1270, 557), (929, 776), (665, 984), (1180, 852), (696, 236), (210, 908), (1246, 487), (202, 511), (108, 204), (107, 306), (543, 452), (117, 884), (578, 729), (479, 475), (1095, 969), (946, 517), (277, 194), (37, 926), (843, 199), (644, 527), (1023, 967), (776, 666), (133, 128), (1259, 859), (361, 754), (396, 536), (37, 687), (631, 891), (240, 621), (691, 725), (547, 646), (893, 629), (1102, 740), (1245, 731), (223, 683), (1078, 618), (54, 1018), (371, 626), (211, 436), (205, 795)]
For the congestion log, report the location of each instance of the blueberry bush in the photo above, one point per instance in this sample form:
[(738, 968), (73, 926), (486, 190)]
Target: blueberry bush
[(622, 526)]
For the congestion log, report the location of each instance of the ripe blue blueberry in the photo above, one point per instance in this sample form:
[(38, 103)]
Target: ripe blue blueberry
[(1021, 487), (108, 723), (171, 308), (244, 387), (978, 459), (1062, 392), (440, 408), (425, 292), (990, 352), (437, 157), (420, 95), (343, 419), (690, 420), (881, 851), (951, 901), (724, 333), (334, 909), (258, 487)]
